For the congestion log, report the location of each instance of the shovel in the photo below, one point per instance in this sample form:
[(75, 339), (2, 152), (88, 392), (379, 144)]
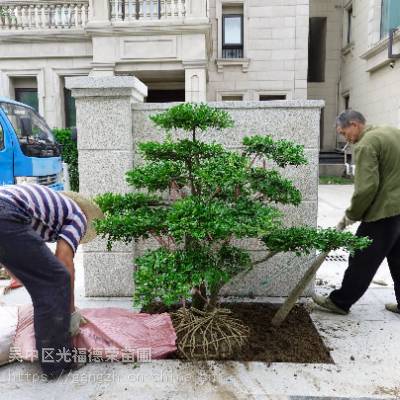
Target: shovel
[(294, 295)]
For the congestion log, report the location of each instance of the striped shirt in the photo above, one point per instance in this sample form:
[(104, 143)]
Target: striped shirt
[(52, 214)]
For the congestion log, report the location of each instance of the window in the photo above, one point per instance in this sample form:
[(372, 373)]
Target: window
[(317, 49), (346, 101), (390, 16), (349, 17), (232, 36), (232, 98), (268, 97), (28, 96), (39, 140), (69, 109)]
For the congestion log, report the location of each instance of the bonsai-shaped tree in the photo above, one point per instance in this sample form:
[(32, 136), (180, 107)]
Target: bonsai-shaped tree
[(196, 199)]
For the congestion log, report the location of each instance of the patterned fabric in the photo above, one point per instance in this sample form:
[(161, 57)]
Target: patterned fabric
[(52, 214)]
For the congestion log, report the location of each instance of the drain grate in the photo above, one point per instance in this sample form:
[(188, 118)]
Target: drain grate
[(336, 258)]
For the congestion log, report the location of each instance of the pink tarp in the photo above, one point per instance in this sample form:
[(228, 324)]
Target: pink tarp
[(109, 330)]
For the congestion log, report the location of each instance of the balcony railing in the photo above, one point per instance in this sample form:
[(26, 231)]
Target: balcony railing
[(43, 15), (132, 10)]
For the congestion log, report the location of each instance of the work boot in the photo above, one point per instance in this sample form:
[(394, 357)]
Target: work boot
[(328, 304), (393, 307)]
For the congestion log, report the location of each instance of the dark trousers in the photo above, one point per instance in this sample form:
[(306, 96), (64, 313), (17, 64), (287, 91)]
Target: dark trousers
[(26, 255), (362, 268)]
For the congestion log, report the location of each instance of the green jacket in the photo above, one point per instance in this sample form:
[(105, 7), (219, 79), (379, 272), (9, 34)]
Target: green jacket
[(377, 177)]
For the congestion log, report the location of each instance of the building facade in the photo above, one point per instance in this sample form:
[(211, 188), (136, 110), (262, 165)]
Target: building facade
[(207, 50), (193, 50), (359, 72)]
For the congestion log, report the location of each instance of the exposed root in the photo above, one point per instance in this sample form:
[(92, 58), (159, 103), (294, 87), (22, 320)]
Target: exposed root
[(207, 335)]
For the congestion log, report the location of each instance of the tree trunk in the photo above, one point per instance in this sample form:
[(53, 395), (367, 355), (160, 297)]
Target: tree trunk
[(199, 297)]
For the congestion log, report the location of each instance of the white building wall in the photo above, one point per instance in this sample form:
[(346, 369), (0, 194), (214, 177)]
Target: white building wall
[(274, 63), (47, 63), (275, 51), (374, 86)]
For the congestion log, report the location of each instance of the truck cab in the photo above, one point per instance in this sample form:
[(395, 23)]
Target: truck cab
[(29, 152)]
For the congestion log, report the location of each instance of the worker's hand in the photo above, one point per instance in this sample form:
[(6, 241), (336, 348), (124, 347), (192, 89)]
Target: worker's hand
[(76, 321), (344, 223)]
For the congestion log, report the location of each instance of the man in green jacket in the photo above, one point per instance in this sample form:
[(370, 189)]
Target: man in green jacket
[(376, 203)]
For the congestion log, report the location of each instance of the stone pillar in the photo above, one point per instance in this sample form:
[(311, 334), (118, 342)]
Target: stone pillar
[(99, 13), (301, 54), (196, 9), (6, 89), (105, 144), (195, 82)]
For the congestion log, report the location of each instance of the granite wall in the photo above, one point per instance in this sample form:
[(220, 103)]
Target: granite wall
[(111, 120)]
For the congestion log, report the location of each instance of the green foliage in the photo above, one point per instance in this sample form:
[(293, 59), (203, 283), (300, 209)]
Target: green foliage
[(218, 220), (274, 187), (156, 175), (182, 150), (6, 13), (112, 203), (304, 239), (335, 180), (169, 276), (191, 117), (283, 152), (130, 217), (69, 155), (199, 198)]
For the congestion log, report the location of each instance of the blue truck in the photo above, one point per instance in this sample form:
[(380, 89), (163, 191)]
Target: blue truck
[(29, 152)]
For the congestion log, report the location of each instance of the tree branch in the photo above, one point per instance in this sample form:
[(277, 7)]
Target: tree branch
[(253, 161), (174, 187), (159, 239)]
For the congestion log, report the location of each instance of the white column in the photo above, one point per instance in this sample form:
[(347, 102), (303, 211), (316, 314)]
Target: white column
[(195, 84), (6, 89), (55, 107), (301, 50), (196, 8), (41, 91), (99, 13)]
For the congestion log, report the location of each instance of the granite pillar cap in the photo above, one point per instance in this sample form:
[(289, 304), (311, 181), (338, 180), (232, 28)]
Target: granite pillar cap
[(124, 83)]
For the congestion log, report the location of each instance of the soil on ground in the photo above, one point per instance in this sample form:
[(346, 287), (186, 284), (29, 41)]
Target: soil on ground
[(296, 340)]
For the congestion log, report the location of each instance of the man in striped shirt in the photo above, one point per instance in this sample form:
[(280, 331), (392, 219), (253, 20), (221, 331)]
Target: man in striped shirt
[(30, 216)]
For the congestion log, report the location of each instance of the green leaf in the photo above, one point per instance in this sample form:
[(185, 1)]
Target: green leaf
[(274, 187), (193, 116), (69, 154), (304, 239), (283, 152)]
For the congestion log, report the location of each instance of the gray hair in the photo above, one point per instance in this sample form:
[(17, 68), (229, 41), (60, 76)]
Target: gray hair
[(346, 117)]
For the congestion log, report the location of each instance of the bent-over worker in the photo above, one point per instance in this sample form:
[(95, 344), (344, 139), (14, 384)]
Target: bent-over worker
[(30, 216)]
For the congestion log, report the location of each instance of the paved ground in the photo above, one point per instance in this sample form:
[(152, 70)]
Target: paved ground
[(364, 348)]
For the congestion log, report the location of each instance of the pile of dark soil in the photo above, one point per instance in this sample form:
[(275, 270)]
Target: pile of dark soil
[(296, 340)]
